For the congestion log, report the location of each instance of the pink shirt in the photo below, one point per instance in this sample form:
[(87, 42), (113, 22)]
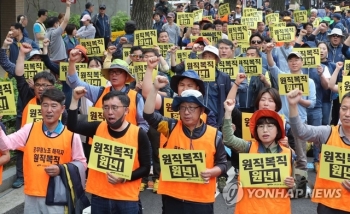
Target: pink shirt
[(19, 139)]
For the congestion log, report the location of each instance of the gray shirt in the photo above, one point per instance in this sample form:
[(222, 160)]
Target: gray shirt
[(316, 134), (57, 48), (173, 31), (86, 32)]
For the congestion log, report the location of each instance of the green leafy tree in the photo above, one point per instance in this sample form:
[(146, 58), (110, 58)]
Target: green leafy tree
[(118, 21)]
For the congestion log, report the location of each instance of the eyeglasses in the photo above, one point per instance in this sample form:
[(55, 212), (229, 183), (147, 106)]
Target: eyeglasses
[(267, 126), (114, 108), (188, 108), (137, 56), (336, 35), (116, 72), (256, 42), (37, 85)]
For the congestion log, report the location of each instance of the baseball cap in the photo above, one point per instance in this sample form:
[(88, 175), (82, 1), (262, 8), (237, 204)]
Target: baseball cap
[(86, 17), (189, 96), (33, 53), (102, 6), (295, 53)]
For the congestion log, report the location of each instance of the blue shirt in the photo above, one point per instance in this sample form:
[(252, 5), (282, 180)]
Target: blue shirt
[(285, 105), (93, 94), (6, 64), (103, 26), (70, 43), (58, 129)]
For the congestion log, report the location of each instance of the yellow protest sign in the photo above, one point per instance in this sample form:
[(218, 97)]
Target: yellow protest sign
[(145, 37), (243, 47), (251, 22), (204, 68), (194, 38), (34, 113), (31, 68), (238, 32), (7, 99), (185, 19), (257, 14), (64, 69), (112, 156), (139, 68), (181, 55), (116, 34), (94, 47), (267, 170), (316, 22), (164, 47), (252, 66), (345, 85), (210, 18), (289, 82), (300, 16), (283, 34), (230, 67), (167, 111), (246, 135), (197, 15), (248, 10), (182, 165), (224, 9), (213, 34), (272, 18), (335, 163), (95, 114), (92, 76), (346, 67), (311, 57), (344, 8), (340, 90), (126, 53), (278, 24)]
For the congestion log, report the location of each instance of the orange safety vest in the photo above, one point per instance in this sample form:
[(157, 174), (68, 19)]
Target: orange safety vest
[(131, 116), (342, 202), (97, 182), (202, 193), (41, 151), (264, 205), (33, 101)]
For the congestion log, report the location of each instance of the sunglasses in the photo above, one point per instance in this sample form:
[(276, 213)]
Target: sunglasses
[(256, 42), (336, 35)]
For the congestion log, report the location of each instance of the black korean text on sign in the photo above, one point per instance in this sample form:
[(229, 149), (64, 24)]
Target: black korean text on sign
[(47, 156)]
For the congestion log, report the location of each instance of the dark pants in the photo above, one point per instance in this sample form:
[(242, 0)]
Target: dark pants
[(335, 112), (322, 209), (101, 205), (19, 154), (175, 206), (154, 138)]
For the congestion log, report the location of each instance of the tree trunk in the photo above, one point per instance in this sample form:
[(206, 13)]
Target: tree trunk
[(232, 4), (142, 11), (278, 5)]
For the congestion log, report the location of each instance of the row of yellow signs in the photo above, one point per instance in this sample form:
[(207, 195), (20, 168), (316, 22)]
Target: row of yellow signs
[(257, 170)]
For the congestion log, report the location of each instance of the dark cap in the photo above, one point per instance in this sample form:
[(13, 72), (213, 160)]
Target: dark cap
[(190, 74), (337, 15), (88, 5), (102, 6)]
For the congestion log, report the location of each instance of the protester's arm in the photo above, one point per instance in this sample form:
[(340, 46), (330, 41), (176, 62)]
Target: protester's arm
[(84, 128), (332, 84), (316, 134), (66, 16), (55, 68), (233, 92), (230, 139), (141, 122), (5, 62), (5, 157), (324, 74), (300, 37), (15, 140), (77, 150), (144, 155), (148, 85), (109, 56)]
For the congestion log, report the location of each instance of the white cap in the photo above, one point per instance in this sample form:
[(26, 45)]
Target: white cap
[(336, 31), (211, 49)]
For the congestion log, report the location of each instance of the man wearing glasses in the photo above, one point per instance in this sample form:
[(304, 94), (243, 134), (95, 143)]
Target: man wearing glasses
[(103, 25)]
